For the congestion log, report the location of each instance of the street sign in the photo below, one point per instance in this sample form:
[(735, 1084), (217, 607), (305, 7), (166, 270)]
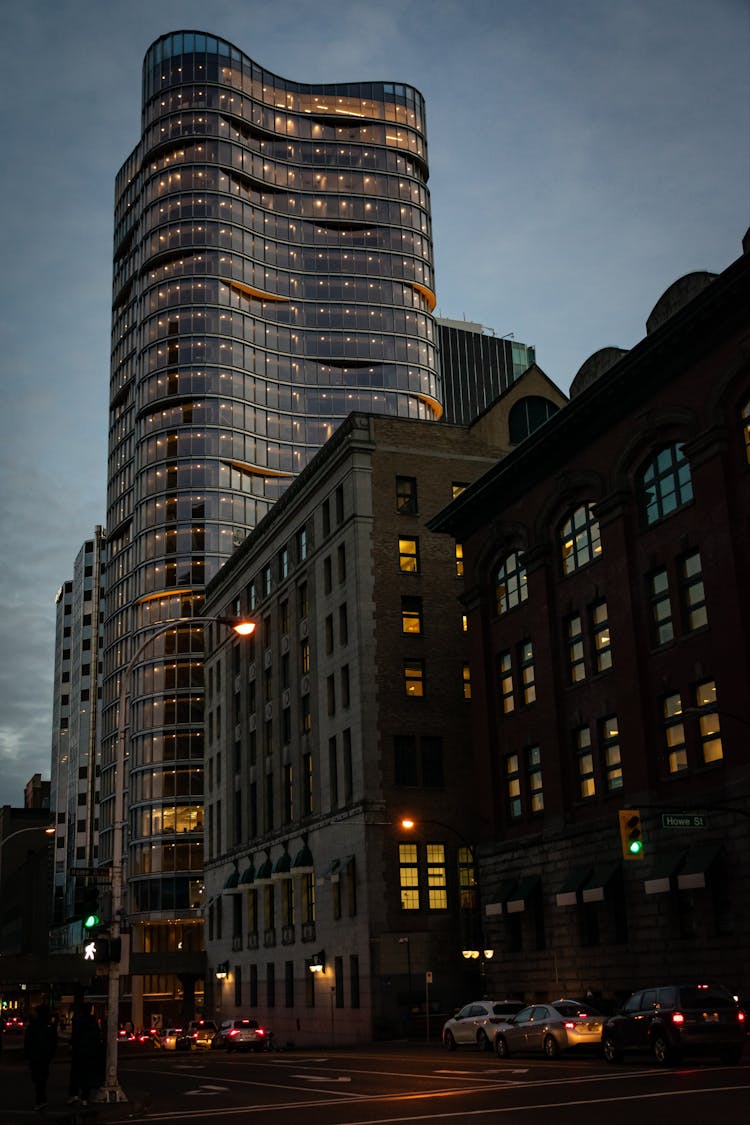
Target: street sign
[(684, 820)]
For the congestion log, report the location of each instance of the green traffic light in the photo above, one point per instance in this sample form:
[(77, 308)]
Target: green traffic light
[(635, 847), (91, 920)]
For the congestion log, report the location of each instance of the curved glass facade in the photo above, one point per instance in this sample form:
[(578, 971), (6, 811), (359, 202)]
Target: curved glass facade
[(273, 271)]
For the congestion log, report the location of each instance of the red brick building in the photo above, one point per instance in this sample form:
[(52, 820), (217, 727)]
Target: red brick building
[(606, 568)]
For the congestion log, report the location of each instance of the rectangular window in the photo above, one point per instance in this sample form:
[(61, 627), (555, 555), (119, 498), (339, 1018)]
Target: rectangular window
[(408, 555), (601, 636), (238, 986), (576, 664), (287, 902), (609, 742), (528, 677), (674, 733), (408, 876), (338, 976), (354, 980), (459, 560), (343, 625), (411, 615), (307, 784), (287, 793), (414, 678), (437, 895), (405, 767), (468, 886), (284, 617), (534, 779), (301, 544), (513, 786), (466, 678), (307, 898), (584, 763), (505, 682), (693, 592), (289, 984), (341, 562), (708, 723), (266, 580), (283, 563), (326, 511), (331, 694), (345, 686), (660, 603), (333, 773), (431, 755), (304, 657), (346, 761), (406, 495), (339, 501), (253, 997), (327, 575), (305, 715), (303, 607), (271, 985)]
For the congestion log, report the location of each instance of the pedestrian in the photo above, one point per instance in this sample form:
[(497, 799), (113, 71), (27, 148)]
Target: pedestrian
[(39, 1045), (85, 1055)]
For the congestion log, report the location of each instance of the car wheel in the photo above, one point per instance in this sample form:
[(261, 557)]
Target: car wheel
[(482, 1041), (449, 1041), (612, 1052), (501, 1047), (731, 1055), (551, 1049), (663, 1053)]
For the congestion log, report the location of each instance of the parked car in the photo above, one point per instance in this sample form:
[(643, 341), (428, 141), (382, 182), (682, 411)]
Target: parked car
[(242, 1035), (476, 1022), (148, 1037), (550, 1028), (202, 1033), (673, 1020), (14, 1025)]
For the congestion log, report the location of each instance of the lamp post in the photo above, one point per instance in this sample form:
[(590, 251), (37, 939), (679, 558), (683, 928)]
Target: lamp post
[(111, 1091), (48, 829)]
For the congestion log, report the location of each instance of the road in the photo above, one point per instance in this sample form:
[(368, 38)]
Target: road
[(388, 1084)]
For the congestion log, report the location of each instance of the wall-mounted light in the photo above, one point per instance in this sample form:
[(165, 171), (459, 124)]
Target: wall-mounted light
[(317, 963), (222, 970)]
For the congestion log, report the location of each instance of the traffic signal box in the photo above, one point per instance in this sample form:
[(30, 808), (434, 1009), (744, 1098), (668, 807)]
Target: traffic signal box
[(101, 950), (631, 834)]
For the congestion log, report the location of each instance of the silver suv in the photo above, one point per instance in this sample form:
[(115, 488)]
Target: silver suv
[(242, 1035)]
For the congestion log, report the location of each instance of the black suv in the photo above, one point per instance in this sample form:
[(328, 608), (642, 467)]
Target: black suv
[(675, 1019)]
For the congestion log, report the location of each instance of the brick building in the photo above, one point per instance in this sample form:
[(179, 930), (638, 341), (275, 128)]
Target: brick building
[(606, 562), (346, 712)]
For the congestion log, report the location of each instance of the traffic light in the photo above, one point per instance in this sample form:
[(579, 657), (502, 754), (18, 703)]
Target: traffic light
[(97, 950), (631, 834), (91, 915)]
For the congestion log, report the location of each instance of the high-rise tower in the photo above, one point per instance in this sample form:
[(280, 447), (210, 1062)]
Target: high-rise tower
[(272, 273)]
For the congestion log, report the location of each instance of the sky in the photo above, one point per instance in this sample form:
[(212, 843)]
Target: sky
[(584, 154)]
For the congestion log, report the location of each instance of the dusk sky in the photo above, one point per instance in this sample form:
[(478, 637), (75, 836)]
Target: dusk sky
[(583, 155)]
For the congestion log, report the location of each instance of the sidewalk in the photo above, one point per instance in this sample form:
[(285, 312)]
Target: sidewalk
[(17, 1092)]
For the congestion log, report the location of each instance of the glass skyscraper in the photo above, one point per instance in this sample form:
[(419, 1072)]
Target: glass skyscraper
[(273, 271)]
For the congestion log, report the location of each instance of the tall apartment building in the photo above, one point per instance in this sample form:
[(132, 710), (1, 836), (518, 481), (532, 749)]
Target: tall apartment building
[(606, 564), (74, 788), (272, 272), (346, 712)]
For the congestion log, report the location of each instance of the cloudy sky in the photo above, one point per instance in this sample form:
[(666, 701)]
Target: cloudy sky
[(583, 155)]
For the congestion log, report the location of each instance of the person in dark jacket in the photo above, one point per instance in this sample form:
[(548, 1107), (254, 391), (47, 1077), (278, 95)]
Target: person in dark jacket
[(85, 1055), (39, 1045)]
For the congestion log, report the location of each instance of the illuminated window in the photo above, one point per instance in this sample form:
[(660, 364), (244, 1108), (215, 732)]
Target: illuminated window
[(584, 763), (414, 678), (576, 662), (437, 895), (513, 786), (693, 591), (580, 539), (467, 879), (534, 779), (411, 615), (304, 656), (528, 675), (459, 559), (408, 876), (466, 677), (609, 742), (511, 588), (708, 723), (662, 629), (457, 487), (408, 555), (674, 733), (666, 483), (601, 636), (505, 682)]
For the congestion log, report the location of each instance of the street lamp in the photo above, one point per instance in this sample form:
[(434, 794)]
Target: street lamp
[(111, 1091)]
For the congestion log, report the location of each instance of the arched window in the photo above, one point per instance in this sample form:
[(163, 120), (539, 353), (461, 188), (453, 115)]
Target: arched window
[(527, 415), (667, 483), (511, 588), (579, 539), (746, 428)]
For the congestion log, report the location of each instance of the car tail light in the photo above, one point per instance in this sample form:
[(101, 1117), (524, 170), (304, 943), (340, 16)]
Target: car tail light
[(260, 1031), (570, 1025), (233, 1033), (740, 1016), (678, 1018)]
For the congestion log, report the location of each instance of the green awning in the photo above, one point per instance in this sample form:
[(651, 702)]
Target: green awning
[(664, 869), (248, 876), (694, 871), (602, 874), (303, 862), (502, 894), (283, 864), (232, 880), (264, 872), (571, 885), (527, 886)]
